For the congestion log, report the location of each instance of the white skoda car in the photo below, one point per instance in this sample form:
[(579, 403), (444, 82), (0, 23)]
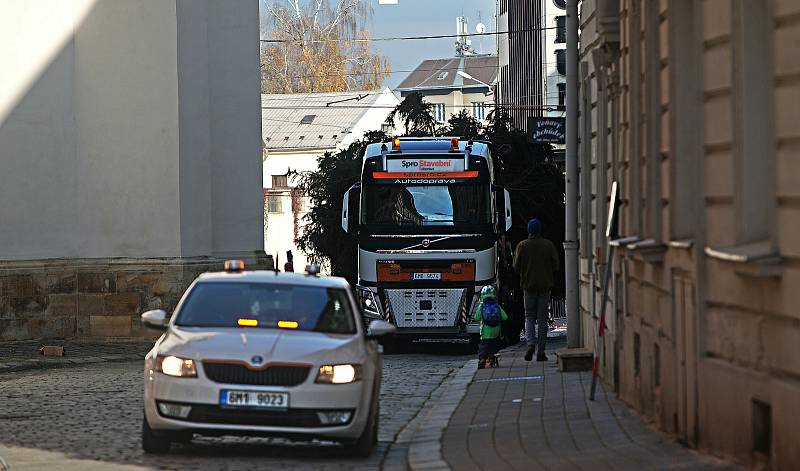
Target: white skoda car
[(263, 353)]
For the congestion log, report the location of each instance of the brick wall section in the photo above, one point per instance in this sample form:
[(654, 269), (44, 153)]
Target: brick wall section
[(92, 298)]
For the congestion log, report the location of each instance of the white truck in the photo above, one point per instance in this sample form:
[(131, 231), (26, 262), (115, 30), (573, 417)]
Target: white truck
[(429, 220)]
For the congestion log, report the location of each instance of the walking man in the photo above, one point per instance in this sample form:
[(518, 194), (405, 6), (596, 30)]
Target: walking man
[(288, 267), (536, 263)]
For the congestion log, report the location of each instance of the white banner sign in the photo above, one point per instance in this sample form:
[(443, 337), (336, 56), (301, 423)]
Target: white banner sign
[(425, 165)]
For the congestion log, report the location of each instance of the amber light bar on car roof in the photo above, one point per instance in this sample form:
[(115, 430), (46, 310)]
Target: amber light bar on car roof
[(233, 265), (288, 324)]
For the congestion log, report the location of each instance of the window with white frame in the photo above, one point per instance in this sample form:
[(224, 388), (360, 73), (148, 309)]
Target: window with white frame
[(280, 181), (479, 111), (439, 112), (274, 203)]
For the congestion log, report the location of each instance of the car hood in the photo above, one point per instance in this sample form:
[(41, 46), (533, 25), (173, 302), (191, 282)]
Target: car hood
[(272, 345)]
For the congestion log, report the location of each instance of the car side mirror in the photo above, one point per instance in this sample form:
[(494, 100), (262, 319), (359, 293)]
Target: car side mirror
[(378, 328), (155, 319)]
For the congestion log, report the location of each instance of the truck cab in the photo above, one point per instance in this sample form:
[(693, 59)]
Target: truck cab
[(428, 218)]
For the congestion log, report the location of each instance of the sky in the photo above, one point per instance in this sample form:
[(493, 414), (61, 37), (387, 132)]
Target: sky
[(427, 17), (421, 18)]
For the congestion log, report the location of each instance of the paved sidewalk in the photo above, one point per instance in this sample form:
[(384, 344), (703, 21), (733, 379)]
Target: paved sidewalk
[(528, 416), (24, 355)]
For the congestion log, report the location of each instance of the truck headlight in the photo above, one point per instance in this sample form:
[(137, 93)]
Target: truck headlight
[(339, 374), (369, 302), (174, 366)]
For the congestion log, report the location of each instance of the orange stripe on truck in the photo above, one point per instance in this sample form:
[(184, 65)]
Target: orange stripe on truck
[(384, 175)]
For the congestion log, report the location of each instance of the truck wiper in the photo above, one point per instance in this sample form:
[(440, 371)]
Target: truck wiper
[(429, 243)]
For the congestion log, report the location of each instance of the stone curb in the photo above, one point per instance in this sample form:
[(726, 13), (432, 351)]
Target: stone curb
[(423, 435), (65, 362)]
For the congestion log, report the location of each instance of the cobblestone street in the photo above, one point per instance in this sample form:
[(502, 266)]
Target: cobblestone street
[(94, 413)]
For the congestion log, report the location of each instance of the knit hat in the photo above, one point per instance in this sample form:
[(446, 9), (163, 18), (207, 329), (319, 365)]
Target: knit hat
[(534, 226)]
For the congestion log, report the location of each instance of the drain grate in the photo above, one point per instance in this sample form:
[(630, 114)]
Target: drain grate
[(511, 378)]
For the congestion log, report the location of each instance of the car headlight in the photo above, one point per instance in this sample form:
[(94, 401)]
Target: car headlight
[(174, 366), (339, 374), (369, 302)]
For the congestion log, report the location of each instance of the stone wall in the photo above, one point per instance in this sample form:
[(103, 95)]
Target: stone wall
[(63, 298)]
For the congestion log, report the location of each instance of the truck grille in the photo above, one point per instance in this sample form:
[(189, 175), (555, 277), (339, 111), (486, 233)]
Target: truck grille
[(426, 307), (232, 373)]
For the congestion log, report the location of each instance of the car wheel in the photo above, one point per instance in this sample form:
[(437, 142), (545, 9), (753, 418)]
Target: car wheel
[(152, 442), (363, 446)]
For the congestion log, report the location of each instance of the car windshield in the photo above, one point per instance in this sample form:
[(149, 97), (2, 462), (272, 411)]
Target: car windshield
[(268, 305), (426, 205)]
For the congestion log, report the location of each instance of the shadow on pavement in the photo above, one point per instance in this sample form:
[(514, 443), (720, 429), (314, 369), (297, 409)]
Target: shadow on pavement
[(431, 347)]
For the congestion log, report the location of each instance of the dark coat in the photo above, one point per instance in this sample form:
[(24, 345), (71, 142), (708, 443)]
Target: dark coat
[(536, 263)]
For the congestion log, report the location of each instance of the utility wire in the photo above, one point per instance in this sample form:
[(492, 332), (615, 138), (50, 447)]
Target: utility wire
[(443, 69), (302, 96), (388, 107), (402, 38), (295, 122)]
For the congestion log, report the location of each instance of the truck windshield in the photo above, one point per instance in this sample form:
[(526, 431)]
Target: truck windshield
[(267, 305), (434, 205)]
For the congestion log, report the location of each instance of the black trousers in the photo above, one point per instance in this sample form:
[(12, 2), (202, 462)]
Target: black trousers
[(489, 347)]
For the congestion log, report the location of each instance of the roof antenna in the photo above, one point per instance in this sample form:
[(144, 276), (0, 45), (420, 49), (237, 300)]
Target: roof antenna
[(480, 28)]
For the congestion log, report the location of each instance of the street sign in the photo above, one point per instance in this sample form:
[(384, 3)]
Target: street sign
[(546, 130)]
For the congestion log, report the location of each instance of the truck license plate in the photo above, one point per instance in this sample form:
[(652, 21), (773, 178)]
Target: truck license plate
[(266, 400), (426, 276)]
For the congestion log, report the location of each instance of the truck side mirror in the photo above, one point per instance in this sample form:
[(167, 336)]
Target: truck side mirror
[(503, 199), (350, 208), (507, 208)]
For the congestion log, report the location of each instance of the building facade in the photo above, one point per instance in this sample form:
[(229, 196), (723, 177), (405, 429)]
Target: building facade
[(691, 106), (130, 150), (455, 84), (520, 47), (555, 37), (296, 130)]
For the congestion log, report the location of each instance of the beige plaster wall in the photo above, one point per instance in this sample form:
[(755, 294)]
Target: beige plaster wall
[(129, 129), (708, 323), (88, 127), (130, 146)]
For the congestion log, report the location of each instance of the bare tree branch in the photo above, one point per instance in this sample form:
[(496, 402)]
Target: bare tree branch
[(307, 64)]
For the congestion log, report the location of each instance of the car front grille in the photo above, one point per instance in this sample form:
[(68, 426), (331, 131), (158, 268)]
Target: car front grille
[(279, 375), (211, 414)]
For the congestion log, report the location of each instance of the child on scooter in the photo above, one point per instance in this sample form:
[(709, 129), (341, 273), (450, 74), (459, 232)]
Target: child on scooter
[(490, 314)]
